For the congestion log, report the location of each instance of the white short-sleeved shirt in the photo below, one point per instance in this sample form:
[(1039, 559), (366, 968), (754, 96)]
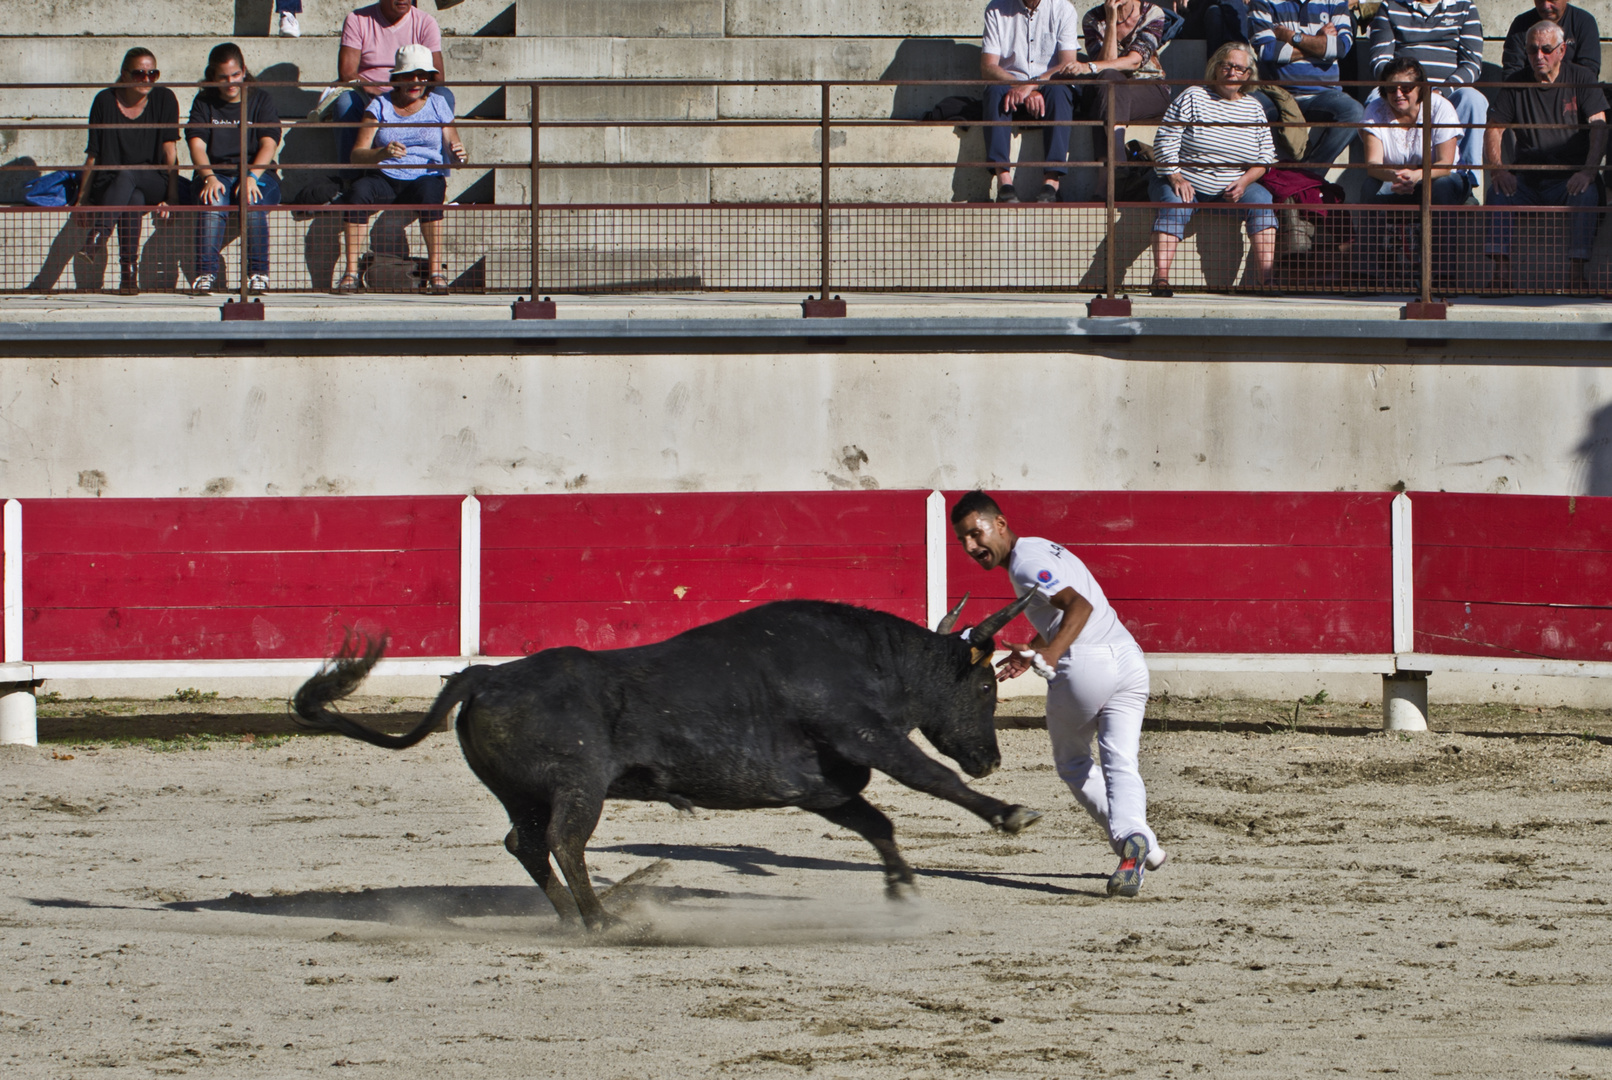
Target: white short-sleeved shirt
[(1402, 145), (1047, 569), (1026, 40)]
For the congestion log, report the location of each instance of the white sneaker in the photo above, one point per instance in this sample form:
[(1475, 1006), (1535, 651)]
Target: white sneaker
[(257, 284), (1156, 857), (203, 285), (288, 25)]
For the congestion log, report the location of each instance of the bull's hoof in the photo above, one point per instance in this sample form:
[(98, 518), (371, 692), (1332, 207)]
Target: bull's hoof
[(900, 891), (1018, 819)]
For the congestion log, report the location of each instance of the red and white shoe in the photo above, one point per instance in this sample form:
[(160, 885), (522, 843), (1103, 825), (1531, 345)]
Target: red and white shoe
[(1127, 879)]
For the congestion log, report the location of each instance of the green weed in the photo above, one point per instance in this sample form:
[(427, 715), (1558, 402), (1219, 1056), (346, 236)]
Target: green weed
[(190, 695)]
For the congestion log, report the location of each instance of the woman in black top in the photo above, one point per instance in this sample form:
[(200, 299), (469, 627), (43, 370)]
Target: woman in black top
[(214, 135), (141, 128)]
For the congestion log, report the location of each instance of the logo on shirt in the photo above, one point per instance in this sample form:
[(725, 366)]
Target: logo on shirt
[(1045, 577)]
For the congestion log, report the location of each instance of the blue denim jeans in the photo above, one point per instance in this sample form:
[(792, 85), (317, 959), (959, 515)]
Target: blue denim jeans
[(1581, 230), (1255, 205), (210, 226), (1329, 106)]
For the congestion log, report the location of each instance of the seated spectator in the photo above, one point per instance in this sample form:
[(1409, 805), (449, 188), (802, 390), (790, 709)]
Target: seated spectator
[(1393, 141), (1024, 39), (1583, 36), (214, 135), (1301, 42), (370, 39), (135, 100), (1393, 145), (1549, 94), (1213, 146), (1123, 39), (400, 151), (1446, 38)]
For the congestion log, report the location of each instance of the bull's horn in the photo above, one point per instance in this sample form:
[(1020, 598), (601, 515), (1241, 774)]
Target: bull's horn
[(949, 620), (985, 631)]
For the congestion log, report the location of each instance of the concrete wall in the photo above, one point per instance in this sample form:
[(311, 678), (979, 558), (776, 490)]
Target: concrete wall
[(1194, 415)]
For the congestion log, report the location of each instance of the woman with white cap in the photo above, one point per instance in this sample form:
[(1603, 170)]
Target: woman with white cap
[(406, 137)]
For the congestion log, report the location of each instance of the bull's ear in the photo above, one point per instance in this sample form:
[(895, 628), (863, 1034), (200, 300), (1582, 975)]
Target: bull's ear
[(979, 656), (985, 631), (949, 621)]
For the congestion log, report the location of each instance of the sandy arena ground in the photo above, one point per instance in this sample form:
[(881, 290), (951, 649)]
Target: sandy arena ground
[(1339, 901)]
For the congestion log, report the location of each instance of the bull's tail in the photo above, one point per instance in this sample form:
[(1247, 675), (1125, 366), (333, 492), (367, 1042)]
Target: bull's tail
[(341, 675)]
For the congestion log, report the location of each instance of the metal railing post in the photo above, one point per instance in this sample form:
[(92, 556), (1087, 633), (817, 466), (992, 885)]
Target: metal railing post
[(823, 307), (1108, 304), (1424, 307), (535, 308), (242, 309)]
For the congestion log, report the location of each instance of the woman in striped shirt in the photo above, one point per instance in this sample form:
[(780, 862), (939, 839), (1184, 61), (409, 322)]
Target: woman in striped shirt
[(1199, 158)]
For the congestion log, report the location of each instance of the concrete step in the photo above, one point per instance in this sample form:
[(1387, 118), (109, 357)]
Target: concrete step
[(620, 18), (225, 21)]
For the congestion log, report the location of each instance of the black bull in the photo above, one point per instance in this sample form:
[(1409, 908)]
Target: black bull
[(787, 704)]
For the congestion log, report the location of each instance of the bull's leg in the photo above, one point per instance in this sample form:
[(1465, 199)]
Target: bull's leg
[(869, 822), (528, 842), (574, 816), (903, 762)]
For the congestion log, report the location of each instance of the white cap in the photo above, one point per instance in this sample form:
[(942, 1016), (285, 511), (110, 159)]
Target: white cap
[(413, 58)]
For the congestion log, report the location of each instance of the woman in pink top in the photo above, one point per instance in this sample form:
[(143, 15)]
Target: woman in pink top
[(370, 40)]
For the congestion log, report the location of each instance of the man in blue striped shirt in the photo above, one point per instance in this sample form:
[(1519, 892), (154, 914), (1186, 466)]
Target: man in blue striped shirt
[(1446, 38), (1301, 41)]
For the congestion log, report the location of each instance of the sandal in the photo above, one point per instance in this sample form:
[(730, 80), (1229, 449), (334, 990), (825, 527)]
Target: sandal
[(1160, 288), (438, 285), (349, 284)]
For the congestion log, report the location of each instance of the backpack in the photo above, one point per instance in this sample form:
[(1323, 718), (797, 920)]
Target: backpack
[(58, 188)]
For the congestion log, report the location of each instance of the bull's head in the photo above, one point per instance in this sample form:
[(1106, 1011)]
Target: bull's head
[(966, 733)]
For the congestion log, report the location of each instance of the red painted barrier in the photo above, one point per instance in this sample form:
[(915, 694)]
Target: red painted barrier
[(1215, 572), (212, 579), (609, 571), (1526, 576)]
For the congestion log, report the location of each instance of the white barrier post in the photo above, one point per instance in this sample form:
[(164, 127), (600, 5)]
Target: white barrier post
[(1404, 692), (935, 536), (19, 717), (470, 577)]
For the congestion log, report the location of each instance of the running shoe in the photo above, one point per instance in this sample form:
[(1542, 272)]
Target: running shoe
[(1127, 879), (203, 285), (288, 25), (257, 284)]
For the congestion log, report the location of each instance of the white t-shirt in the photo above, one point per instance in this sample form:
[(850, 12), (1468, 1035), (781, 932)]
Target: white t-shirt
[(1402, 145), (1025, 40), (1047, 569)]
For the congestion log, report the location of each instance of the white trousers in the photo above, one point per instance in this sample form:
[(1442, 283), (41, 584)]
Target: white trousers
[(1101, 691)]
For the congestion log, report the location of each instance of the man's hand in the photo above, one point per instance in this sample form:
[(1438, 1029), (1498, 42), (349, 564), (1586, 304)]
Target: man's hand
[(1012, 665), (1578, 181), (1029, 96), (1506, 181), (162, 209), (1183, 188)]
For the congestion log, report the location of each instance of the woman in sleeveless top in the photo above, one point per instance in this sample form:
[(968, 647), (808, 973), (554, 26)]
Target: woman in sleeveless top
[(133, 123), (407, 136)]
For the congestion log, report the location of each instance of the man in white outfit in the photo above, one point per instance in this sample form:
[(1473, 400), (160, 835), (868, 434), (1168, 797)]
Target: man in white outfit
[(1100, 683)]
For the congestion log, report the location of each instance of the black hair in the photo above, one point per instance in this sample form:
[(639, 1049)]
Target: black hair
[(1398, 66), (975, 502), (221, 53), (139, 52)]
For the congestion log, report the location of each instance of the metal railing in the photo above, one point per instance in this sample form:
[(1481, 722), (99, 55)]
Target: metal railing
[(807, 234)]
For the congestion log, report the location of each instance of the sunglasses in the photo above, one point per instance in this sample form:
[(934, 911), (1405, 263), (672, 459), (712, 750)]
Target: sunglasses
[(415, 76), (1399, 90), (148, 76), (1542, 50)]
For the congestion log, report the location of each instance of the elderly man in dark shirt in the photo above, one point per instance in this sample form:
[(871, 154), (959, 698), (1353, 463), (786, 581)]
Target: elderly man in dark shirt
[(1583, 36), (1550, 93)]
